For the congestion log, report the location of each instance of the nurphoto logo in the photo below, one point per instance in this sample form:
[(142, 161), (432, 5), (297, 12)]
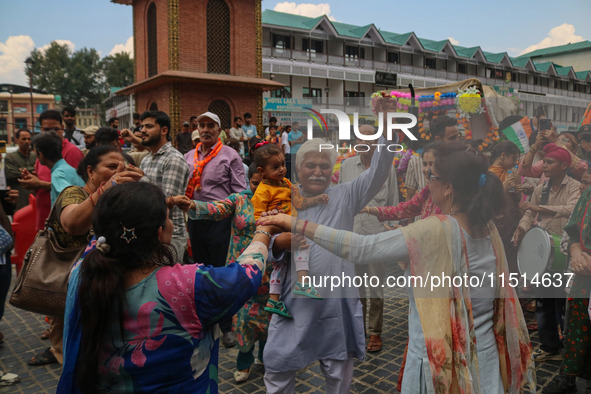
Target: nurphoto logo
[(344, 126)]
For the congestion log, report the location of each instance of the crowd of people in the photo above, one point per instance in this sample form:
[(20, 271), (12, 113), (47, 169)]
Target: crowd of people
[(215, 240)]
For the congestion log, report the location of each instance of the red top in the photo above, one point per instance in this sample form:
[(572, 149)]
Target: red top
[(420, 204)]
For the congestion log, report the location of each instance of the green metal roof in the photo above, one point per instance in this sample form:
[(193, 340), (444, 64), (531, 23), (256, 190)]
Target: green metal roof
[(519, 61), (544, 67), (465, 52), (564, 71), (577, 46), (431, 45), (494, 57), (394, 38), (347, 30), (283, 19)]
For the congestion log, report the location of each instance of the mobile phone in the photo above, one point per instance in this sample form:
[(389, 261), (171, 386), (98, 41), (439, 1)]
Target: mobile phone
[(545, 124), (3, 146)]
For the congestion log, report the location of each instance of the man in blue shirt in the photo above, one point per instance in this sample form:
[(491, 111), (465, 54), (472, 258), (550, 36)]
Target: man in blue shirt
[(296, 139), (48, 148), (249, 129)]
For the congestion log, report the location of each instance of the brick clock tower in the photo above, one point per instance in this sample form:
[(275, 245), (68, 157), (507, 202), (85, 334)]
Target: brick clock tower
[(193, 56)]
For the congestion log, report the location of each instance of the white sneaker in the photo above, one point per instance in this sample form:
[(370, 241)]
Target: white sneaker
[(258, 362), (241, 376)]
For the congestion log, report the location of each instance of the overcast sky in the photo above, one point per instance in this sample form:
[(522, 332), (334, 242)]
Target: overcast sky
[(514, 26)]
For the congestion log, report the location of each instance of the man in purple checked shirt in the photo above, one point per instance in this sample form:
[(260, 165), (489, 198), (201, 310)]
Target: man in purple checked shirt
[(216, 172)]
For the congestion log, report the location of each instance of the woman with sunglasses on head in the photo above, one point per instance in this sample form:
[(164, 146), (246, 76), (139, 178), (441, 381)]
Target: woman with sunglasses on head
[(570, 142), (461, 339), (101, 168)]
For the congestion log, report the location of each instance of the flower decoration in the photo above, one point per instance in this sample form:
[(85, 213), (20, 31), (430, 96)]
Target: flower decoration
[(437, 102), (469, 101)]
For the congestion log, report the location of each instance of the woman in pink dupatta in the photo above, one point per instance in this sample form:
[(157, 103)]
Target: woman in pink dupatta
[(466, 339)]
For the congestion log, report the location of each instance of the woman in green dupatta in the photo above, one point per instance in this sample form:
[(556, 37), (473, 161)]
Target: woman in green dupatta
[(577, 343)]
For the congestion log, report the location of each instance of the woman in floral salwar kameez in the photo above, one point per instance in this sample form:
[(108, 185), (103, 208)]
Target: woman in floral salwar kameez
[(135, 321), (466, 339), (251, 323)]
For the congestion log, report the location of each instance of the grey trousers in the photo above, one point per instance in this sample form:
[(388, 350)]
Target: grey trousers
[(338, 375), (179, 244), (375, 299)]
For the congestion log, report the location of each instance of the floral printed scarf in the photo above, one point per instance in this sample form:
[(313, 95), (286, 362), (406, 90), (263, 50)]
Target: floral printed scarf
[(437, 245)]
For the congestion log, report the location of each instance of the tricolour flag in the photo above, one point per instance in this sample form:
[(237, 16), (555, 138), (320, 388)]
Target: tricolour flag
[(586, 117), (519, 133)]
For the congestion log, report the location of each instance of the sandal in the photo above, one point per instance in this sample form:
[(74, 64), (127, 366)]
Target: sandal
[(278, 307), (45, 334), (308, 291), (44, 358), (375, 343)]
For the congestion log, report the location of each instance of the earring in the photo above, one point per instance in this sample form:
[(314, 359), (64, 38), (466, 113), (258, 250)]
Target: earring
[(451, 204)]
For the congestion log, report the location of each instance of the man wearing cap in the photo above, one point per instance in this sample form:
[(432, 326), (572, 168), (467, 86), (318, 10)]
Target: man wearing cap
[(167, 168), (183, 139), (551, 205), (216, 172), (194, 141), (89, 138), (15, 162)]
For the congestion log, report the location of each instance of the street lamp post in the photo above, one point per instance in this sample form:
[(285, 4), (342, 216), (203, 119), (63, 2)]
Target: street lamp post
[(29, 62)]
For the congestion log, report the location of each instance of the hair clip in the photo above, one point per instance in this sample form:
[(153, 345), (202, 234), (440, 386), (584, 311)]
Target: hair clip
[(482, 180), (262, 143), (102, 245), (128, 234)]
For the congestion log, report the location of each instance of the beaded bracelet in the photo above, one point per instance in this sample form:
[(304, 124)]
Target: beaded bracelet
[(91, 201)]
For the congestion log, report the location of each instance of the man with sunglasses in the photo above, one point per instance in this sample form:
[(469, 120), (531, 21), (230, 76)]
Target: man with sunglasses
[(40, 179), (216, 171)]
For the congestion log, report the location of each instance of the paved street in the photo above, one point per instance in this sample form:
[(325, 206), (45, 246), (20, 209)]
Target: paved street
[(378, 374)]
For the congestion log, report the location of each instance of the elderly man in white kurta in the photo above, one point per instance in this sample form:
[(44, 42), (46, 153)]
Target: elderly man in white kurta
[(328, 330)]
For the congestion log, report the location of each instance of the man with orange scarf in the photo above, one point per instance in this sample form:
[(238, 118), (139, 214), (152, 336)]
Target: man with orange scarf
[(216, 172)]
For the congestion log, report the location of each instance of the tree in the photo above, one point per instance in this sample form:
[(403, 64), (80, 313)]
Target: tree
[(81, 76), (118, 70)]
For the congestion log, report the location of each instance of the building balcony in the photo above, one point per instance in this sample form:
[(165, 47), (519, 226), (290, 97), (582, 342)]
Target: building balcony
[(437, 75)]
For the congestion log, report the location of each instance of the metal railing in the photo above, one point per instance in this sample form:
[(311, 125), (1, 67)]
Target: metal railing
[(379, 65)]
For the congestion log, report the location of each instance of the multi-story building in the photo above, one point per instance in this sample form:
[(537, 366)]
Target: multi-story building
[(120, 107), (87, 117), (20, 109), (335, 62), (577, 55)]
